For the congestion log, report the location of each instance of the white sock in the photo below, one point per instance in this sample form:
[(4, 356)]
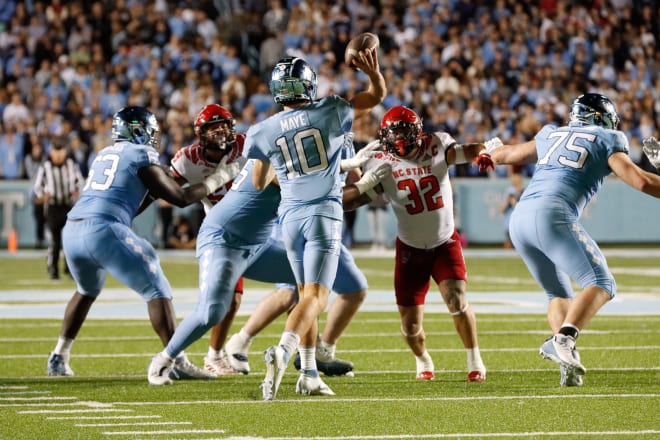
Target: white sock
[(307, 358), (246, 338), (327, 351), (474, 360), (290, 341), (63, 347), (424, 362), (213, 353)]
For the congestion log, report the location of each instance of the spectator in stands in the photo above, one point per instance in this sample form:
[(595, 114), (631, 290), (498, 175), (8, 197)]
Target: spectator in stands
[(11, 152), (182, 235)]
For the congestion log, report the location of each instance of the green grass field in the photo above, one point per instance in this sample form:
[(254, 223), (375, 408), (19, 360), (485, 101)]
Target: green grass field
[(110, 398)]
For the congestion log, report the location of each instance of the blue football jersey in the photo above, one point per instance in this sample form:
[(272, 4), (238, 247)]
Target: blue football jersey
[(113, 190), (572, 162), (244, 212), (304, 145)]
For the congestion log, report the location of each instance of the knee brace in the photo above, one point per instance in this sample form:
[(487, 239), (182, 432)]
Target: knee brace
[(461, 311), (406, 335)]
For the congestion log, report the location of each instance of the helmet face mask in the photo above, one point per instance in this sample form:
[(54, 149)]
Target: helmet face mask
[(136, 125), (291, 80), (215, 128), (593, 109), (400, 131)]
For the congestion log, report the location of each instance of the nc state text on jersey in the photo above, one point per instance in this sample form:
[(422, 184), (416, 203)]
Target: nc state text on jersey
[(413, 171)]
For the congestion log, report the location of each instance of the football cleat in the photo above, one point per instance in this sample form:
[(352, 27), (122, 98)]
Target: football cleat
[(476, 376), (183, 369), (425, 369), (275, 358), (237, 355), (219, 365), (425, 375), (58, 366), (569, 378), (158, 372), (312, 386), (329, 367), (559, 348)]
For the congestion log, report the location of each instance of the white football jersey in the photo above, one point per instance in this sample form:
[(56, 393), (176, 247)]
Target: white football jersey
[(190, 164), (420, 192)]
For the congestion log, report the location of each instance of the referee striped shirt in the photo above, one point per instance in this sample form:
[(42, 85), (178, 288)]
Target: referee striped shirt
[(61, 182)]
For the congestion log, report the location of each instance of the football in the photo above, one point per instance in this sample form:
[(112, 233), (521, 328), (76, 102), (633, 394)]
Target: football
[(364, 41)]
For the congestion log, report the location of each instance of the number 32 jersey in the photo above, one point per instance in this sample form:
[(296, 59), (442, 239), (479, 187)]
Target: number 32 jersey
[(113, 190), (420, 192)]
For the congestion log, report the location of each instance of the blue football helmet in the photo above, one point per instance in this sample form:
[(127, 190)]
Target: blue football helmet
[(593, 109), (292, 79), (137, 125)]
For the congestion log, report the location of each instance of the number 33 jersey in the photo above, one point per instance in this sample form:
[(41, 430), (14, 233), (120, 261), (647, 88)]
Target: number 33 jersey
[(113, 190), (420, 192)]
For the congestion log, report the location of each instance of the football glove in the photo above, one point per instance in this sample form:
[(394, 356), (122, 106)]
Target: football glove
[(651, 148), (373, 177), (485, 162), (360, 158), (492, 144), (222, 174)]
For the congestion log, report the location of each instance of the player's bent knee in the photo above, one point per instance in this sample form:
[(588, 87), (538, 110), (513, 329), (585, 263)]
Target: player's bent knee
[(460, 311), (214, 315), (358, 296), (412, 332)]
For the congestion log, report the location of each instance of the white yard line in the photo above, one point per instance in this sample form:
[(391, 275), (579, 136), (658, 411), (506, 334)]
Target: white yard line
[(568, 434)]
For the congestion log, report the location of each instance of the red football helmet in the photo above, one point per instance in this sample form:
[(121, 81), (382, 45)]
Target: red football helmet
[(400, 131), (215, 127)]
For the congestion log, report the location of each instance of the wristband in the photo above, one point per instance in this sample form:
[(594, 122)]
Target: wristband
[(460, 154)]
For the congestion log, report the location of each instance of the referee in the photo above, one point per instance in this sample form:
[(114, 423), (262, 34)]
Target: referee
[(57, 186)]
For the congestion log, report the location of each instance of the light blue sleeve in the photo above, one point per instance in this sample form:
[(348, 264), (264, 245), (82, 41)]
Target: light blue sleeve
[(252, 148), (618, 143)]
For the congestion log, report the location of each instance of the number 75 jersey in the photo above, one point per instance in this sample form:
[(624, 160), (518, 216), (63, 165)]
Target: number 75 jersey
[(420, 192), (113, 190)]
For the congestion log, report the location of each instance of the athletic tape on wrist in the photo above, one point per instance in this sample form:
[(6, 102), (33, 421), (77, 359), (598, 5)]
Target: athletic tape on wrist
[(460, 154)]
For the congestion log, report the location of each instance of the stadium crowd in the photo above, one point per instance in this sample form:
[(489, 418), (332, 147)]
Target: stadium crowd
[(475, 69)]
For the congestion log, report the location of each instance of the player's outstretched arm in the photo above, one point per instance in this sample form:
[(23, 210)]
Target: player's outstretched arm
[(464, 153), (162, 185), (363, 191), (360, 158), (518, 154), (367, 61), (633, 175)]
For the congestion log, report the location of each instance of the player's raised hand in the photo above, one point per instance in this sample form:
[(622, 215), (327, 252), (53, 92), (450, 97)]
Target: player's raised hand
[(651, 148), (360, 158), (373, 177), (223, 173), (492, 144), (485, 162)]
